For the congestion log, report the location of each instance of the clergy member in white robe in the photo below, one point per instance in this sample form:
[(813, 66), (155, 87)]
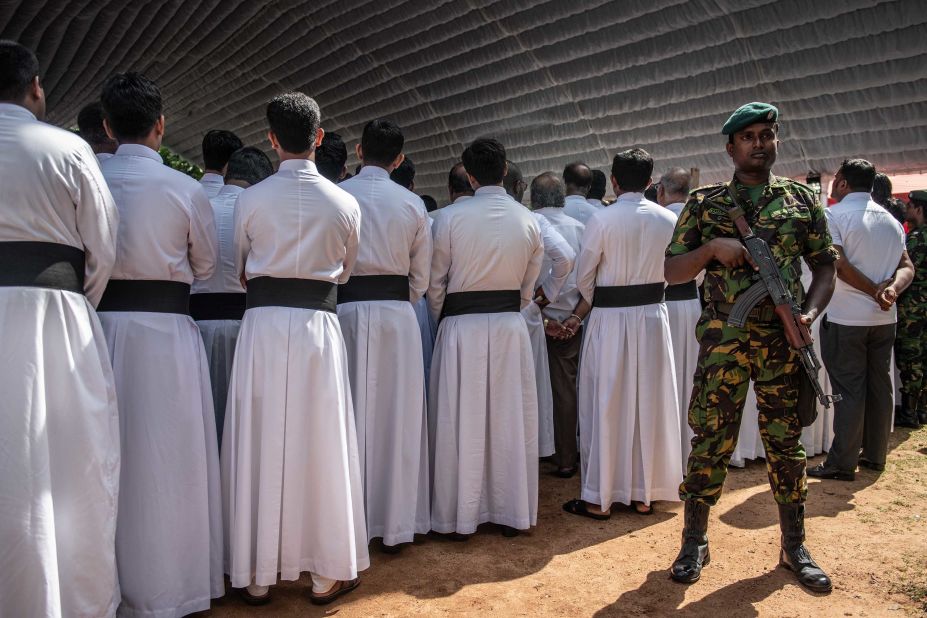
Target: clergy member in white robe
[(169, 535), (577, 180), (628, 406), (218, 146), (218, 303), (483, 398), (59, 427), (90, 128), (291, 478), (382, 338)]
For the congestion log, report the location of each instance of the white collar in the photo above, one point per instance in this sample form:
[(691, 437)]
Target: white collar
[(12, 109), (138, 150)]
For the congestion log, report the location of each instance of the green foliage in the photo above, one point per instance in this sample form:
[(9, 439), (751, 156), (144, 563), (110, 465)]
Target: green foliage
[(174, 160)]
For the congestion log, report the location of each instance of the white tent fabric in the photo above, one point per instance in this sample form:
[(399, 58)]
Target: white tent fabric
[(554, 81)]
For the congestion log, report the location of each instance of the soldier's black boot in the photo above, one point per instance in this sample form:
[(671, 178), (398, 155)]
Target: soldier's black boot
[(907, 416), (794, 554), (922, 409), (694, 553)]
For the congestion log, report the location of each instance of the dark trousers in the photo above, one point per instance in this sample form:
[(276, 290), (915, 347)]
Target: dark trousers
[(563, 359), (858, 362)]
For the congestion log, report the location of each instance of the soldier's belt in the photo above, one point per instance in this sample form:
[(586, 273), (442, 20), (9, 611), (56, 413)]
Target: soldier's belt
[(764, 312)]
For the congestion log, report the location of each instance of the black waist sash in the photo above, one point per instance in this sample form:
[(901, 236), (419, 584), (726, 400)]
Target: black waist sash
[(217, 305), (628, 295), (294, 293), (489, 301), (41, 265), (682, 291), (374, 287), (146, 295)]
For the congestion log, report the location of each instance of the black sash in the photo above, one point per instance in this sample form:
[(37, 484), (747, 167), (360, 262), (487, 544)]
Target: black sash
[(146, 295), (682, 291), (628, 295), (374, 287), (295, 293), (41, 265), (489, 301), (217, 306)]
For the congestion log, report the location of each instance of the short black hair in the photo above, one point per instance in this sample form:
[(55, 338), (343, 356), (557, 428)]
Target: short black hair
[(859, 174), (431, 204), (577, 176), (404, 173), (330, 156), (457, 181), (597, 188), (90, 124), (632, 169), (249, 164), (131, 104), (484, 159), (18, 67), (881, 189), (218, 146), (381, 142), (295, 119)]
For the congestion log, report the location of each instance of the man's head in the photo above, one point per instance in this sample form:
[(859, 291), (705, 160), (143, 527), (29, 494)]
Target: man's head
[(381, 144), (404, 174), (218, 146), (484, 161), (577, 179), (753, 137), (90, 125), (917, 207), (598, 186), (431, 204), (631, 170), (247, 166), (673, 186), (457, 182), (514, 182), (331, 157), (19, 78), (854, 175), (132, 110), (295, 130), (546, 191), (881, 189)]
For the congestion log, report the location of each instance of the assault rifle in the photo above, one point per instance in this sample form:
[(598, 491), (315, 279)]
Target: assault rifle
[(771, 283)]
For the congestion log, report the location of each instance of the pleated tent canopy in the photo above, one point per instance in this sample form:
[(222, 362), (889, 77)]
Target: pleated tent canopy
[(553, 81)]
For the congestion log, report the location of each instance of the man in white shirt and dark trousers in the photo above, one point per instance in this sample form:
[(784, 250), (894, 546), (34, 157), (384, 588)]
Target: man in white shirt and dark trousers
[(218, 146), (858, 330)]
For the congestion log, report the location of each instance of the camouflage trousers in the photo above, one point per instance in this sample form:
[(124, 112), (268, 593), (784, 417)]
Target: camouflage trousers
[(909, 351), (728, 359)]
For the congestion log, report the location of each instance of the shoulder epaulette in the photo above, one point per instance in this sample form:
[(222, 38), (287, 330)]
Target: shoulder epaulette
[(709, 191)]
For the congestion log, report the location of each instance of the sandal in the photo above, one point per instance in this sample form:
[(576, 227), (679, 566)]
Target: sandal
[(253, 600), (339, 589), (637, 510), (578, 507)]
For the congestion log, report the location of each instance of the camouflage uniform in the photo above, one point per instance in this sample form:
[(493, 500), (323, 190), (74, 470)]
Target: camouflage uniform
[(788, 217), (912, 322)]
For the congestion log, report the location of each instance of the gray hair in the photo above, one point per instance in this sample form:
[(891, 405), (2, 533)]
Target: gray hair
[(675, 182), (546, 191)]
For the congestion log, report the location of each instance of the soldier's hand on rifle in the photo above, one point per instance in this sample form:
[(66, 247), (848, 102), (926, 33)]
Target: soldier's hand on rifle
[(731, 253)]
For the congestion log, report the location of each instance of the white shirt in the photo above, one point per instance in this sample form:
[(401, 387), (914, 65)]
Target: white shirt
[(396, 236), (226, 278), (676, 208), (486, 242), (51, 190), (872, 241), (212, 184), (166, 228), (558, 259), (597, 204), (103, 156), (297, 224), (624, 244), (577, 207), (572, 232)]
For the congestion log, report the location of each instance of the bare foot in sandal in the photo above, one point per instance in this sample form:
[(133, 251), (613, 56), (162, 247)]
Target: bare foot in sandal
[(338, 589), (643, 509), (583, 508)]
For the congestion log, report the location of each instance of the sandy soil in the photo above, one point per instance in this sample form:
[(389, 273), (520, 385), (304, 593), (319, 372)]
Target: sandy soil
[(870, 535)]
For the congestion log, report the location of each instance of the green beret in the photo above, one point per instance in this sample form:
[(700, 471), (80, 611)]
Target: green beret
[(748, 114), (919, 195)]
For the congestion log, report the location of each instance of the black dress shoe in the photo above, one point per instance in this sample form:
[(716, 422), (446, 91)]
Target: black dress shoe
[(865, 463), (509, 532), (687, 569), (565, 473), (820, 472), (794, 555)]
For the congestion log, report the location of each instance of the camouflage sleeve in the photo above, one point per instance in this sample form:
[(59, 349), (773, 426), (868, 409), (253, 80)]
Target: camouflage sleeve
[(688, 233), (819, 249), (917, 251)]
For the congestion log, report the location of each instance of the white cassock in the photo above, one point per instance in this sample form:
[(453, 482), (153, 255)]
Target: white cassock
[(385, 358), (556, 267), (59, 426), (212, 184), (577, 207), (221, 333), (628, 406), (483, 398), (169, 539), (683, 317), (291, 479)]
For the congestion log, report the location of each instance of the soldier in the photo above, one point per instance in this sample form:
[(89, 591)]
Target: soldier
[(912, 318), (788, 216)]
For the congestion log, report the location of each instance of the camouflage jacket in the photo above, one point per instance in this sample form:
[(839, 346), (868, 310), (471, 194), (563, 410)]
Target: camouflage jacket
[(788, 217), (914, 299)]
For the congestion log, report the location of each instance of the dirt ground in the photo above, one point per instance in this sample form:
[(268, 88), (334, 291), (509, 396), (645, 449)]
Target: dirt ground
[(870, 535)]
